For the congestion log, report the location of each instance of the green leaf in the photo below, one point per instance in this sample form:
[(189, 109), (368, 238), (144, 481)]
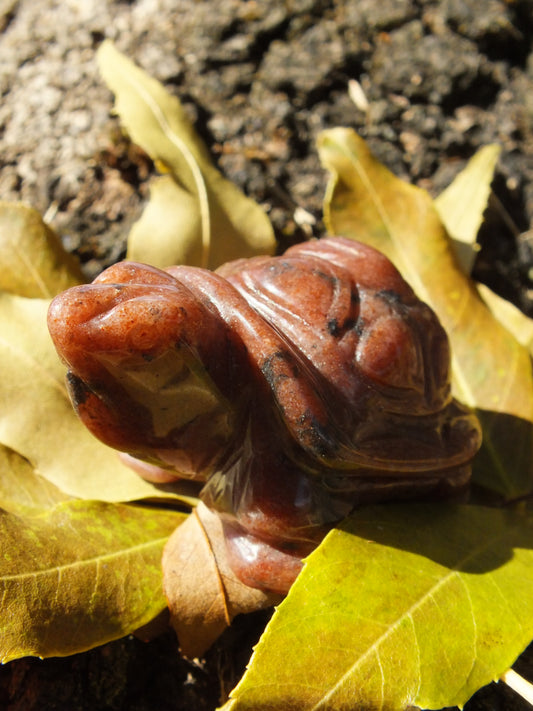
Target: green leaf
[(220, 222), (22, 490), (34, 263), (491, 370), (37, 419), (79, 575), (406, 605), (462, 204)]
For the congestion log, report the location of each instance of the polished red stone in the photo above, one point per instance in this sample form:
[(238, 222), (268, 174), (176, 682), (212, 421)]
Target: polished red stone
[(296, 387)]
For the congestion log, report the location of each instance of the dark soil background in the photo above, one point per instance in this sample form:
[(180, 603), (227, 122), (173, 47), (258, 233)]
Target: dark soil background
[(261, 79)]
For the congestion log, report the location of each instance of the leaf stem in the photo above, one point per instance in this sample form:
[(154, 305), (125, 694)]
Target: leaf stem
[(519, 685)]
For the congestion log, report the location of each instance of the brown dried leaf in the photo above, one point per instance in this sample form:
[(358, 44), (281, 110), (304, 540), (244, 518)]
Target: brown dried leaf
[(203, 593)]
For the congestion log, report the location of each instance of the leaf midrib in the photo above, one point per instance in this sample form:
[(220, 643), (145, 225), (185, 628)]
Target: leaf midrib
[(408, 614), (94, 560)]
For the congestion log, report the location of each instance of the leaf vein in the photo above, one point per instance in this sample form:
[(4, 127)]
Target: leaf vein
[(109, 557), (452, 573)]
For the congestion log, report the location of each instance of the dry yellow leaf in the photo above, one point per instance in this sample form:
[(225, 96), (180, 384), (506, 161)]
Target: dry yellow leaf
[(34, 263), (228, 224)]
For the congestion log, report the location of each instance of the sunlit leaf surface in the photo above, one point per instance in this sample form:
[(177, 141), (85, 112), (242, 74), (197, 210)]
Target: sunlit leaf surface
[(491, 369), (217, 221), (34, 263), (520, 325), (462, 204), (407, 605), (172, 215), (79, 575)]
